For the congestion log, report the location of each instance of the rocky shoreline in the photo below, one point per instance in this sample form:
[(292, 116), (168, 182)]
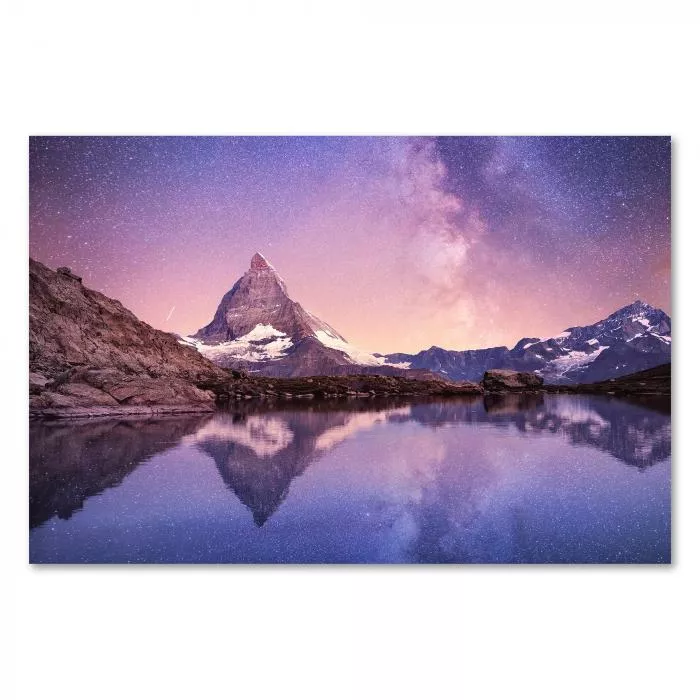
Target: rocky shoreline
[(240, 388), (76, 398)]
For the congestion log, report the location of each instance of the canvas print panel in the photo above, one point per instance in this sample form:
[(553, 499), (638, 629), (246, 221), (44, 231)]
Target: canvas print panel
[(350, 350)]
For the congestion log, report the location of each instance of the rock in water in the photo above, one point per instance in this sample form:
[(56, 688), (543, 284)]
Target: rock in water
[(510, 380), (88, 355)]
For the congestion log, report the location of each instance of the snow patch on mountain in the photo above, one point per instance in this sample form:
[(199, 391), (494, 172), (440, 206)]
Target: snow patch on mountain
[(359, 357), (262, 331), (262, 343), (576, 359)]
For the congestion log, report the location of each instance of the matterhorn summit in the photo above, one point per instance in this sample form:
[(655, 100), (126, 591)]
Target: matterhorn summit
[(258, 327), (260, 298), (259, 262)]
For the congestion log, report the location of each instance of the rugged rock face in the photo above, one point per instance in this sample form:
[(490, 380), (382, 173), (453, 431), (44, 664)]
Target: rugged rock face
[(633, 338), (509, 380), (88, 355), (261, 297)]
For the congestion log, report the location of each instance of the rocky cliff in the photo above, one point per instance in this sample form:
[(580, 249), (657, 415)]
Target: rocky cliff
[(89, 355)]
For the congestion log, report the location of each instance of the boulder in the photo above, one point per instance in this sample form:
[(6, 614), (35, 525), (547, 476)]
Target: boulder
[(503, 380), (66, 271)]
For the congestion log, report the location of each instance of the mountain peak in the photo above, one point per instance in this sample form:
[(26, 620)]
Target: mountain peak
[(636, 307), (258, 262), (638, 304), (259, 302)]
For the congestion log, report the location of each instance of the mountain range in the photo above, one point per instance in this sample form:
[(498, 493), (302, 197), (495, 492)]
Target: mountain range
[(633, 338), (259, 328)]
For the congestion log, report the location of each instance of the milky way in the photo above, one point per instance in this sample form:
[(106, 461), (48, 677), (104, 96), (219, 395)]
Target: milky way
[(400, 243)]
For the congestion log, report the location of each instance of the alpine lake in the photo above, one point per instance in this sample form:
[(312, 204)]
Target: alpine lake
[(521, 478)]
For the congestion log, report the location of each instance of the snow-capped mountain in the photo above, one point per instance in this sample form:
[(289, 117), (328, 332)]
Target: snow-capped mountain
[(258, 327), (633, 338)]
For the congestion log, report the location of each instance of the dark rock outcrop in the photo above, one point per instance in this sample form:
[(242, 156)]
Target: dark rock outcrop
[(68, 273), (344, 386), (503, 380), (649, 383)]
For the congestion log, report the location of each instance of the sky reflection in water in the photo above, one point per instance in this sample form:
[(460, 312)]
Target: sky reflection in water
[(509, 479)]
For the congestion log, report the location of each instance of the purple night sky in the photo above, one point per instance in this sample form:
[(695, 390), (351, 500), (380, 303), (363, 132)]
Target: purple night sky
[(399, 243)]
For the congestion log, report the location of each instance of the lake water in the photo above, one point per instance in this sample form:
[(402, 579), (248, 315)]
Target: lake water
[(508, 479)]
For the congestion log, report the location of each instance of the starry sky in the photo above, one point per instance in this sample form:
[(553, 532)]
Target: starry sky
[(400, 243)]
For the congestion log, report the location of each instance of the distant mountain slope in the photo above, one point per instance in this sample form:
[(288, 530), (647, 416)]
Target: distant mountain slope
[(259, 328), (655, 381), (89, 354), (633, 338)]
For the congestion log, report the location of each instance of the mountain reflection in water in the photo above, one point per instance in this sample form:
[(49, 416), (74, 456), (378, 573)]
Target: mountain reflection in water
[(259, 455), (500, 479)]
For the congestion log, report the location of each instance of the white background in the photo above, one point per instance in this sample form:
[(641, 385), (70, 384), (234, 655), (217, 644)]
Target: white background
[(264, 67)]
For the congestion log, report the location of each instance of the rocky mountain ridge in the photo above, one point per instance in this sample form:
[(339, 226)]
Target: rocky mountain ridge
[(631, 339), (261, 294)]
